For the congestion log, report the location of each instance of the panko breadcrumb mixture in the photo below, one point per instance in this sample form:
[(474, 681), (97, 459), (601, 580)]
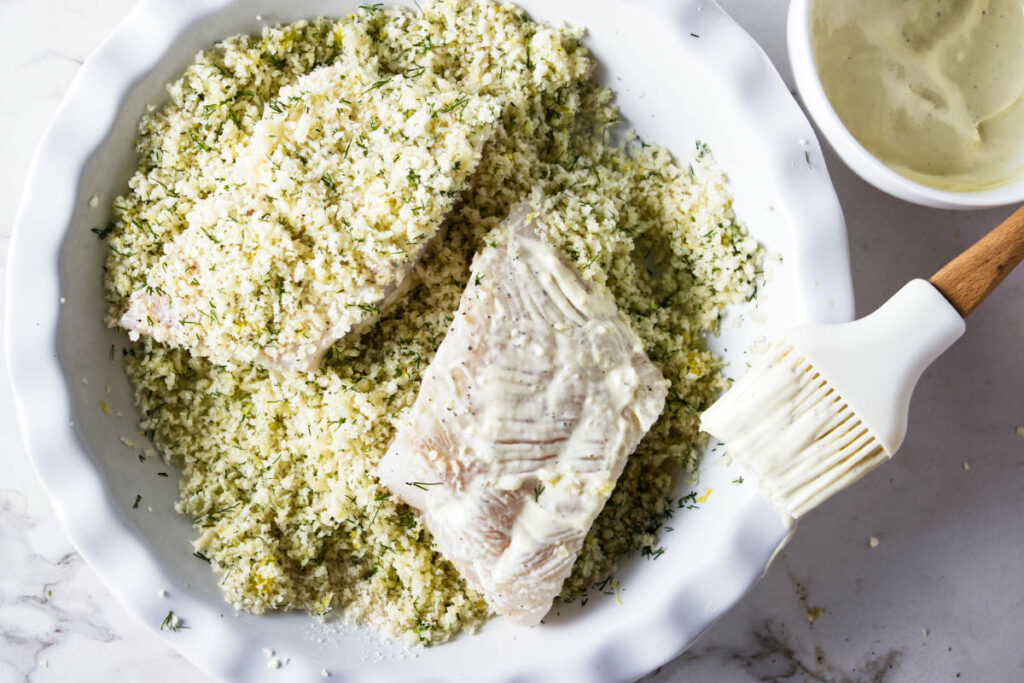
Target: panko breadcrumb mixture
[(278, 467)]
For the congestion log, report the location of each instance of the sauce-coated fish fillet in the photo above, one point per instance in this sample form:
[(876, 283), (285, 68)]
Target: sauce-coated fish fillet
[(524, 421)]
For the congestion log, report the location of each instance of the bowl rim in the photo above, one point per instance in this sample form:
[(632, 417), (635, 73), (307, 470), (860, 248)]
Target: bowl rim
[(80, 495), (852, 152)]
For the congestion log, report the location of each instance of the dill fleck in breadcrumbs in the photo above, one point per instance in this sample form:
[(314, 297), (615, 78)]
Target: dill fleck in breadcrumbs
[(278, 467)]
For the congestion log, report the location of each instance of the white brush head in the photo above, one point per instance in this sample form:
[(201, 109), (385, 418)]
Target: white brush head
[(793, 432), (829, 403)]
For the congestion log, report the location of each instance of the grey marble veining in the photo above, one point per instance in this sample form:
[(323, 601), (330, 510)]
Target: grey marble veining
[(938, 598), (39, 600)]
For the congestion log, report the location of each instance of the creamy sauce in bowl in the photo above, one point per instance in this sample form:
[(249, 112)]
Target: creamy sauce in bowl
[(932, 88)]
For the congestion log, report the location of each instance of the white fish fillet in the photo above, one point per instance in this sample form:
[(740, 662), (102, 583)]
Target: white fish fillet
[(332, 200), (524, 421)]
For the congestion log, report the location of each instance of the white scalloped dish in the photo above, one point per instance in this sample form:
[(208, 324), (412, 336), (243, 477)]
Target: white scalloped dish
[(682, 71)]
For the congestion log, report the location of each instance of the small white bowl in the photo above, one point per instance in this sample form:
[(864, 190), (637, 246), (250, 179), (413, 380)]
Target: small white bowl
[(863, 163)]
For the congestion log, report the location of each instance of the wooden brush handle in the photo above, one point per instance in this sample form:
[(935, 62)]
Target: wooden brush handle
[(970, 277)]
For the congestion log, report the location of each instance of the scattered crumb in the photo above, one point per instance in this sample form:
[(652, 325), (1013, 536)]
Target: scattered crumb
[(873, 542), (85, 380), (967, 465), (1020, 431), (757, 348), (324, 673), (924, 632), (162, 593), (273, 662), (127, 442), (813, 613), (331, 634), (63, 300), (43, 663), (94, 201)]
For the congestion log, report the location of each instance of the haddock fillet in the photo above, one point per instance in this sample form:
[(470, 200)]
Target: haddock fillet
[(524, 420), (334, 197)]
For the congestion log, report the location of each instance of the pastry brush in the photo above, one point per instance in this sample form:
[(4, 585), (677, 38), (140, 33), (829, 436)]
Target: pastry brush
[(826, 404)]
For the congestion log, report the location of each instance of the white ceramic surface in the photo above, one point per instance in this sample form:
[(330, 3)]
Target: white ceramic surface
[(859, 159), (719, 88)]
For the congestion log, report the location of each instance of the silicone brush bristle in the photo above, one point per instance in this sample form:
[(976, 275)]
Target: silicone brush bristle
[(786, 425)]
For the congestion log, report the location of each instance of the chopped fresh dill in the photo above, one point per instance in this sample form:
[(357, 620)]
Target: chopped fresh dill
[(104, 232), (423, 484), (458, 103), (172, 622), (376, 86), (214, 517), (688, 502), (211, 237), (651, 553), (199, 142)]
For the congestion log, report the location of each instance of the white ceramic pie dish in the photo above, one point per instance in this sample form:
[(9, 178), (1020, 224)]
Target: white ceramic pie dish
[(683, 71)]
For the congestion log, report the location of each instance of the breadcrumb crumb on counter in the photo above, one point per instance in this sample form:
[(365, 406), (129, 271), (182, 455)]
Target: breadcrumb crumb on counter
[(278, 467)]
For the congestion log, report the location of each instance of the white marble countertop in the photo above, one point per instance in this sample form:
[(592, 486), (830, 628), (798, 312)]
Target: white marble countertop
[(939, 598)]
